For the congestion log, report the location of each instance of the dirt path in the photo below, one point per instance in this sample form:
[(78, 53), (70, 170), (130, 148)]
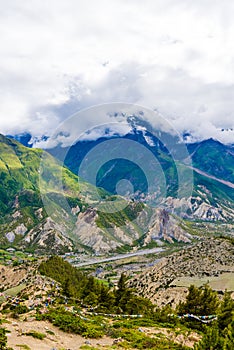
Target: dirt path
[(59, 340)]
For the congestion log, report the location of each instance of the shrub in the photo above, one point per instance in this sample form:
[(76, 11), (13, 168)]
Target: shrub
[(36, 335), (70, 323), (3, 339), (24, 347)]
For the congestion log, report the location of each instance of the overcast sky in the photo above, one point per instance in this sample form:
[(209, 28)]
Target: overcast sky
[(176, 56)]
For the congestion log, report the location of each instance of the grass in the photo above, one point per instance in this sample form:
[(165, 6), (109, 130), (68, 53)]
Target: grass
[(23, 346), (129, 330), (136, 339), (15, 290), (36, 335)]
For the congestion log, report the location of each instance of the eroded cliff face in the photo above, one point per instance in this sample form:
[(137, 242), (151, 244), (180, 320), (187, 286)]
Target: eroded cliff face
[(48, 237), (165, 227), (202, 207), (158, 225), (57, 236)]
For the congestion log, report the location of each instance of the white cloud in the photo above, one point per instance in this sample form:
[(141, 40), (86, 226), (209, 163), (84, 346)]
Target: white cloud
[(61, 56)]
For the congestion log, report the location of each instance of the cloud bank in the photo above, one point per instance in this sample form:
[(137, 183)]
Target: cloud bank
[(176, 57)]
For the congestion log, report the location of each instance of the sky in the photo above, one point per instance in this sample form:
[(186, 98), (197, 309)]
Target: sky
[(172, 56)]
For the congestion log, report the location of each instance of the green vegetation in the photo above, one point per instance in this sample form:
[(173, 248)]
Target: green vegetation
[(18, 257), (200, 301), (90, 291), (96, 326), (218, 334), (23, 346), (217, 192), (36, 335), (23, 193), (219, 162), (20, 188), (70, 323), (92, 309), (119, 217), (128, 330), (122, 300), (136, 339), (3, 339)]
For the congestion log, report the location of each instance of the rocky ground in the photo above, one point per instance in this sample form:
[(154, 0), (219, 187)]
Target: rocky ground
[(54, 338), (208, 258), (37, 288)]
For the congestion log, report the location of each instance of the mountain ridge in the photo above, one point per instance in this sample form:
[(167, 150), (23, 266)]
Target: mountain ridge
[(209, 179), (79, 225)]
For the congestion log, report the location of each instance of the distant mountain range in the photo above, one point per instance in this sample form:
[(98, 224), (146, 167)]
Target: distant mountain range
[(212, 197), (210, 156), (28, 190), (26, 187)]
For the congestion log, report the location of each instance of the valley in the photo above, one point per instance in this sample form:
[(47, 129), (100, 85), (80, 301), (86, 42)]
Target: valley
[(45, 215), (114, 271), (116, 175), (39, 308)]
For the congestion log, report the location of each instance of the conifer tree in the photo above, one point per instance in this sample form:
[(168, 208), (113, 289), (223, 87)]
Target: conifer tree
[(200, 302), (193, 302), (3, 339), (210, 341), (209, 301), (106, 297), (226, 311), (122, 288), (229, 339)]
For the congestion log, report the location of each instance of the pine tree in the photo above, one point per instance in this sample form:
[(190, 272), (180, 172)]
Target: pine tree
[(209, 301), (91, 286), (123, 294), (210, 341), (229, 339), (193, 302), (122, 288), (69, 288), (91, 299), (3, 339), (226, 311), (106, 297), (139, 305), (200, 302)]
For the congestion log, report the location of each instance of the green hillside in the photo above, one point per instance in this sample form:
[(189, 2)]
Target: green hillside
[(32, 189), (20, 193), (214, 158), (47, 208)]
